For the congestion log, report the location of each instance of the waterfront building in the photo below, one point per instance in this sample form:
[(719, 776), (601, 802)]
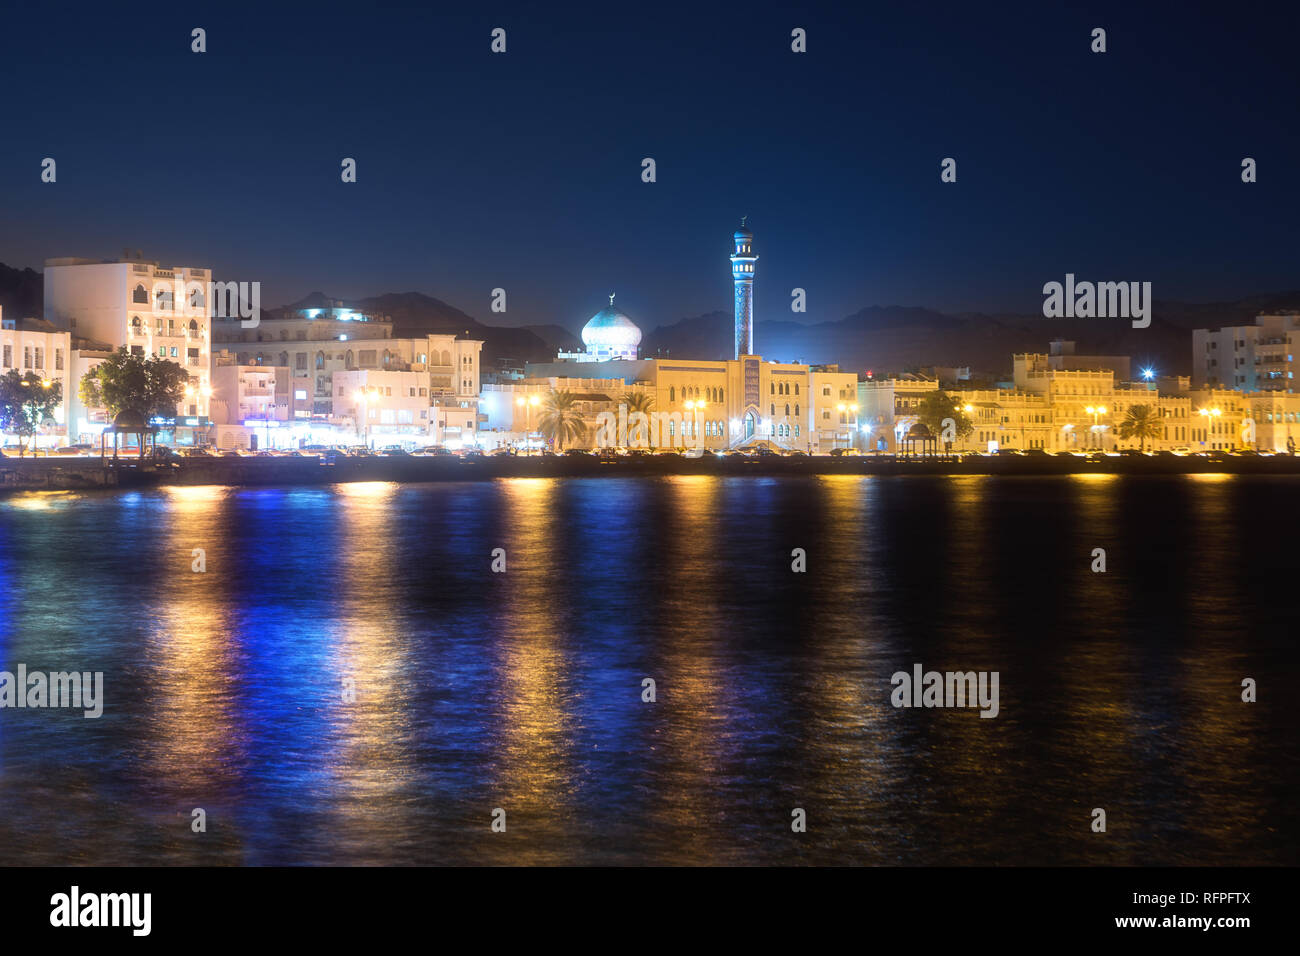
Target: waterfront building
[(887, 408), (511, 410), (835, 412), (85, 423), (385, 406), (148, 308), (255, 406), (37, 346), (725, 403), (1259, 357), (317, 342)]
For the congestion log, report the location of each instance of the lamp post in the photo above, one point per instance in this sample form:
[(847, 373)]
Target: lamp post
[(1096, 411), (1209, 414), (843, 408), (363, 396), (528, 404), (696, 406)]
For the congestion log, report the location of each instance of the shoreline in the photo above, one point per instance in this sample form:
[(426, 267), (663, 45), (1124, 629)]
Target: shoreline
[(56, 474)]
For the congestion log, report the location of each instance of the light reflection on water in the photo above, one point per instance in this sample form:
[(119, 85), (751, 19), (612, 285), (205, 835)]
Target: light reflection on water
[(522, 690)]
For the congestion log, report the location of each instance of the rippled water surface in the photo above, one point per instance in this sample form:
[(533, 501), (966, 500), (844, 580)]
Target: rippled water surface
[(523, 690)]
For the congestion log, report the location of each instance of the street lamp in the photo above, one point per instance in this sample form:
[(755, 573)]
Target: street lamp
[(842, 408), (1209, 414), (363, 396), (1096, 412), (696, 405), (528, 404)]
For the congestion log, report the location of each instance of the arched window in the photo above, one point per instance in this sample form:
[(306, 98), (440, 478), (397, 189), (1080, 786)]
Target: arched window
[(796, 388), (774, 409), (194, 327), (787, 410), (284, 358), (422, 358), (796, 410), (320, 359), (445, 357), (140, 295), (348, 359), (774, 388), (672, 394), (387, 356), (721, 395), (136, 324), (196, 298)]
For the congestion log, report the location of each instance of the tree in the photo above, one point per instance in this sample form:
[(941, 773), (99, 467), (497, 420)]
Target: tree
[(640, 405), (934, 412), (560, 420), (639, 402), (27, 402), (1141, 422), (128, 382)]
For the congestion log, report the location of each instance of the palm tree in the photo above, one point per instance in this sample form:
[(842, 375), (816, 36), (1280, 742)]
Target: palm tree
[(1141, 422), (560, 420), (640, 406), (639, 402)]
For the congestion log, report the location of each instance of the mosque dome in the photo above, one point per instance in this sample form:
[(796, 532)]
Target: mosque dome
[(611, 329)]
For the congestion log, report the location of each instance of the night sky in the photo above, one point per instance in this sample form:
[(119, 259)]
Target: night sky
[(523, 170)]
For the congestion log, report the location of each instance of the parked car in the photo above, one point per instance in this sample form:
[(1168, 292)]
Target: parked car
[(575, 453)]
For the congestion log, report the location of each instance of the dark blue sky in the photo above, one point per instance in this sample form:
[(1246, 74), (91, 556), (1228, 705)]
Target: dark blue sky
[(523, 170)]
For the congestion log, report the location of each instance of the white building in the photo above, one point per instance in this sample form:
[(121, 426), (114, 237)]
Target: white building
[(253, 407), (142, 306), (318, 342), (383, 407), (1259, 357), (34, 345), (834, 409)]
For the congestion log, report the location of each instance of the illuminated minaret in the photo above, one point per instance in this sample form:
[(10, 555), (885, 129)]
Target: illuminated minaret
[(742, 273)]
